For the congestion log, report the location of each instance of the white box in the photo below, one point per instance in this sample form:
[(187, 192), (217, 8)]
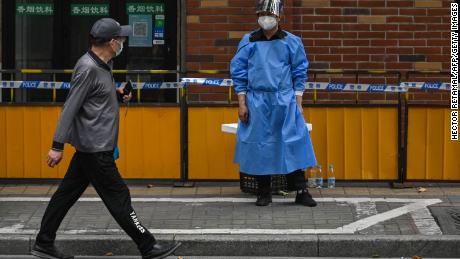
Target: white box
[(231, 127)]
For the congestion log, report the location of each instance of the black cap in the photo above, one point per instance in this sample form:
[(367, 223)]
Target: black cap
[(106, 29)]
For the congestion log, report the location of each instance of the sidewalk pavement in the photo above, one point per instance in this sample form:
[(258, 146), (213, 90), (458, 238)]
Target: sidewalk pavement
[(190, 257), (221, 221)]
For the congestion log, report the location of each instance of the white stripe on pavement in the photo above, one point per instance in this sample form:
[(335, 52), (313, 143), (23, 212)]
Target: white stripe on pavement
[(425, 222), (220, 199), (394, 213), (366, 209)]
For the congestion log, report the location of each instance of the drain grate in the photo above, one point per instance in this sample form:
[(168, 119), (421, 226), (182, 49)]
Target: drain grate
[(448, 218), (455, 214)]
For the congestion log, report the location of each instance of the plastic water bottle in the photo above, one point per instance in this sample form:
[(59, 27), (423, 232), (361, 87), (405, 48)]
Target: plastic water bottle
[(331, 177), (312, 177), (319, 177)]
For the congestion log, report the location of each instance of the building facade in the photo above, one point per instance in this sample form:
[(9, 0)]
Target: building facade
[(366, 135)]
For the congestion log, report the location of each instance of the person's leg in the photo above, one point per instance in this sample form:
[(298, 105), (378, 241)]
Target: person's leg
[(68, 192), (103, 174), (264, 196), (70, 189), (296, 182), (263, 184)]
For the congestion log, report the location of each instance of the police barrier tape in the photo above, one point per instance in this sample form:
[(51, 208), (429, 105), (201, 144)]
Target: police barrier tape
[(228, 82), (66, 85), (336, 86)]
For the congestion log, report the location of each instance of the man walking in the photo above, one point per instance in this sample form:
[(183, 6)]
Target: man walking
[(89, 121), (269, 74)]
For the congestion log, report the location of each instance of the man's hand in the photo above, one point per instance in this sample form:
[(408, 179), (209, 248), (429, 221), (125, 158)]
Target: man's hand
[(54, 157), (126, 98), (243, 113), (298, 99), (300, 108)]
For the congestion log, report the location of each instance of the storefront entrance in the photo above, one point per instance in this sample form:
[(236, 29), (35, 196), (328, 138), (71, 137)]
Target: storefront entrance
[(53, 34)]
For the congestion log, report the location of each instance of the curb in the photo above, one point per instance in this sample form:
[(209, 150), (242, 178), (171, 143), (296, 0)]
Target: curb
[(447, 246)]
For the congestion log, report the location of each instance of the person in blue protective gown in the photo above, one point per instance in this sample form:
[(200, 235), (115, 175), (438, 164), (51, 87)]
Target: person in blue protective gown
[(269, 72)]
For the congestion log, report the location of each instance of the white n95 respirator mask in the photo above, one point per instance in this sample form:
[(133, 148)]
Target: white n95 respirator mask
[(267, 22)]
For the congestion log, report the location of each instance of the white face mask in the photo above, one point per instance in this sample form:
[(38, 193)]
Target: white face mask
[(118, 52), (267, 22)]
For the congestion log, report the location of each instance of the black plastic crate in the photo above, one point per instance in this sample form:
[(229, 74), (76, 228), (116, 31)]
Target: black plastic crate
[(248, 183)]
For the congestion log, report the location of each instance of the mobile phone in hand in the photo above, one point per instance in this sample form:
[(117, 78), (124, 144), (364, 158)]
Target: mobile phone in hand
[(128, 88)]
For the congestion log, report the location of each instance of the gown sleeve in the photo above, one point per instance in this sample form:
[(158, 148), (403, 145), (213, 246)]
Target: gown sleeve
[(299, 65), (239, 66)]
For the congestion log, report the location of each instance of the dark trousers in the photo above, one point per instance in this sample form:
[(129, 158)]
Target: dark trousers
[(295, 182), (100, 170)]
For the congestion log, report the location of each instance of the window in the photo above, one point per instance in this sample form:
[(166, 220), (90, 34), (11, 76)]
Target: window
[(53, 34)]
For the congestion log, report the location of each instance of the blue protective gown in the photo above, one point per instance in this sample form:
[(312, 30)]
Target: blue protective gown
[(275, 140)]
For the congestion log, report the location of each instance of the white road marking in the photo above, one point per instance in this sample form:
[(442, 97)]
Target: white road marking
[(425, 222), (394, 213), (219, 199), (366, 209), (12, 229)]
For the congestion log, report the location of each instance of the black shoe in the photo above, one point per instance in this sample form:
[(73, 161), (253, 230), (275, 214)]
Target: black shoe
[(264, 199), (159, 251), (48, 252), (304, 198)]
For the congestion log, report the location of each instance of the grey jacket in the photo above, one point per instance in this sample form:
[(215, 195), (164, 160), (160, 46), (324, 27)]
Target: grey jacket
[(90, 116)]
